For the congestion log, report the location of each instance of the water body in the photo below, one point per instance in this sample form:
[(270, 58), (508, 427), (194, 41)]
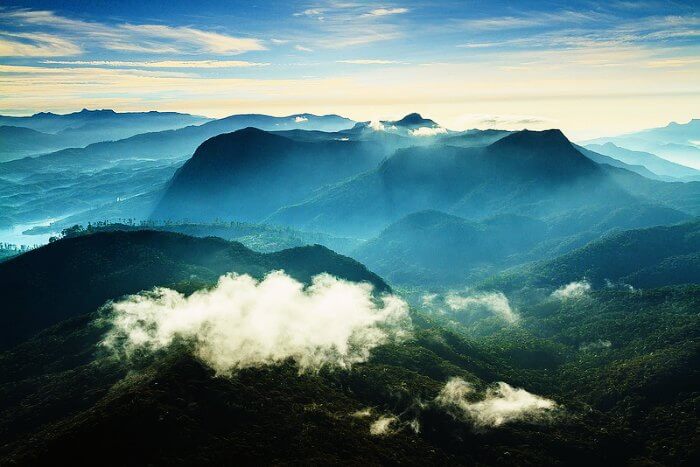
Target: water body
[(15, 235)]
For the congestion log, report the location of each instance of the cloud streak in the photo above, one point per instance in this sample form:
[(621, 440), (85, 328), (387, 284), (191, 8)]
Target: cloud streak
[(242, 322), (199, 64), (36, 45), (145, 38)]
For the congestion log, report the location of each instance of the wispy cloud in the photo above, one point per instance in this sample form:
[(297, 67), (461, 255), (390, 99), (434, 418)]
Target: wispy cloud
[(302, 48), (160, 64), (386, 11), (36, 45), (369, 62), (145, 38)]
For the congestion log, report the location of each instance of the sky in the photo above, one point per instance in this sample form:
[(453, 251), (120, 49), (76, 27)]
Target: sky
[(591, 68)]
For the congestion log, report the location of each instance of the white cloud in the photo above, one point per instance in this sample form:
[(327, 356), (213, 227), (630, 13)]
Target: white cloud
[(383, 426), (376, 125), (161, 63), (301, 48), (147, 38), (572, 290), (364, 413), (36, 45), (494, 302), (300, 119), (500, 404), (428, 131), (369, 62), (386, 11), (242, 322), (204, 40), (310, 12)]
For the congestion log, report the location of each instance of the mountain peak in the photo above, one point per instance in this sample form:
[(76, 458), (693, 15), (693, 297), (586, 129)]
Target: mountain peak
[(415, 119), (530, 138), (96, 111)]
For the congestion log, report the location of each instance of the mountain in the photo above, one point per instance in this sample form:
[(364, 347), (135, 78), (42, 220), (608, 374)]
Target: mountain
[(683, 196), (606, 380), (106, 122), (599, 158), (677, 142), (654, 163), (89, 126), (248, 174), (430, 247), (76, 275), (177, 143), (528, 173), (646, 258), (412, 125), (414, 120), (16, 142)]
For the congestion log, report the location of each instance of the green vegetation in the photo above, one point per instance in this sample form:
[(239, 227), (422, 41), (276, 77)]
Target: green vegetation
[(622, 364), (76, 275)]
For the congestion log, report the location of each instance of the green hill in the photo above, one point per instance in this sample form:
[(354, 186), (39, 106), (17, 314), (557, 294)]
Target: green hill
[(76, 275), (652, 257)]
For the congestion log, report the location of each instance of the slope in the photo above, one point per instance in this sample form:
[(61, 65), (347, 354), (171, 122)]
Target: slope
[(76, 275), (248, 174)]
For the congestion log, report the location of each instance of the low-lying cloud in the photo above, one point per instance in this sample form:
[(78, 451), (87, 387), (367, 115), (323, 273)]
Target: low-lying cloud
[(376, 125), (383, 425), (500, 404), (428, 131), (242, 322), (493, 302), (572, 290)]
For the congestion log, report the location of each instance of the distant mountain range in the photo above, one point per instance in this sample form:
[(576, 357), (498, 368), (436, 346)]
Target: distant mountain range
[(651, 162), (54, 131), (677, 142), (176, 143)]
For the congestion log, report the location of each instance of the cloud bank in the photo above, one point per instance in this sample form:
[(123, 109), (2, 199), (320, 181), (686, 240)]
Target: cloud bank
[(493, 302), (500, 404), (242, 322), (572, 290), (428, 131)]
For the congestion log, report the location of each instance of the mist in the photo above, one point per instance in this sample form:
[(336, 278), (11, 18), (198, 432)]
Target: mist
[(495, 303), (499, 404), (572, 290), (242, 322)]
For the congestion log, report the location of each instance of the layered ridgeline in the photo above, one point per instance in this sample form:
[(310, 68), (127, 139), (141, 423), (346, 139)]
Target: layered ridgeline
[(655, 164), (677, 142), (540, 174), (266, 371), (46, 131), (180, 142), (431, 248)]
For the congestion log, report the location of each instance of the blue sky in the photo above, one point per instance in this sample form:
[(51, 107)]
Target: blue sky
[(589, 67)]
